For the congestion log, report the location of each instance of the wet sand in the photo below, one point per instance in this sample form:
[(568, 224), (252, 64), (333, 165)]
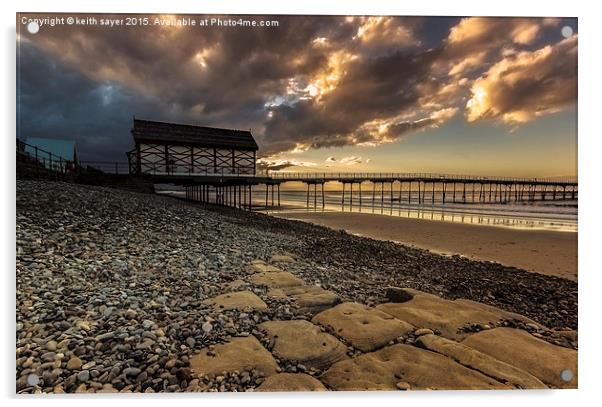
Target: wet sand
[(546, 252)]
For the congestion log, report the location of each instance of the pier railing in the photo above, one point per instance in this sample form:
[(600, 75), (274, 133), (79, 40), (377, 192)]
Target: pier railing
[(405, 176)]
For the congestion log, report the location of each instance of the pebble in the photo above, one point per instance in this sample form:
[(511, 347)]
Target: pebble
[(131, 371), (74, 363), (423, 331), (83, 376), (403, 386)]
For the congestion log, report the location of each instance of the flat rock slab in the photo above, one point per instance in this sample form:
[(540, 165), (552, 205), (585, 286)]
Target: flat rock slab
[(419, 368), (282, 258), (521, 349), (364, 327), (488, 365), (309, 298), (276, 279), (238, 354), (291, 382), (429, 311), (304, 342), (242, 300), (262, 267), (236, 284)]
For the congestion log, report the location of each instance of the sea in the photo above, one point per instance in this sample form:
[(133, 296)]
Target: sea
[(541, 214)]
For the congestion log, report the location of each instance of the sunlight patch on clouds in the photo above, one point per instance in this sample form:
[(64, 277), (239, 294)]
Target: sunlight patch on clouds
[(526, 85)]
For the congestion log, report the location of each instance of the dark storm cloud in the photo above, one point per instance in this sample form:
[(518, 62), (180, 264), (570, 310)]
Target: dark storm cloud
[(311, 82)]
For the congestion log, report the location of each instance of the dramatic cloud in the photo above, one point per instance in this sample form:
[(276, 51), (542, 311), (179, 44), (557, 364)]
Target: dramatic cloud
[(311, 82), (526, 85)]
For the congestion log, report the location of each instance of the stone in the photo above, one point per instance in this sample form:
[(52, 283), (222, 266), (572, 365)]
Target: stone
[(83, 376), (74, 363), (309, 298), (420, 369), (481, 362), (147, 324), (130, 313), (190, 342), (242, 300), (363, 327), (304, 342), (291, 382), (276, 279), (429, 311), (524, 351), (423, 331), (131, 371), (403, 386), (237, 355)]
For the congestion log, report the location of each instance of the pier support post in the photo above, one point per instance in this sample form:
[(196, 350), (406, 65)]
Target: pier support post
[(351, 198), (444, 184), (343, 198), (409, 192), (433, 194), (322, 195)]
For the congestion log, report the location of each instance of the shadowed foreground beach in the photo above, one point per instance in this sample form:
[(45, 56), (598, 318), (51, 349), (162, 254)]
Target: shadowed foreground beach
[(546, 252)]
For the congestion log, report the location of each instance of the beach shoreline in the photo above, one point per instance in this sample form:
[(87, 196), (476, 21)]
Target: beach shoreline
[(137, 276), (540, 251)]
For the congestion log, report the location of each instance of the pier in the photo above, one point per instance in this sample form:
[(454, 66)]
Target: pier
[(232, 184)]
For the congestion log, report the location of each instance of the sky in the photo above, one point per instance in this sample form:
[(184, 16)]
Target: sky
[(463, 95)]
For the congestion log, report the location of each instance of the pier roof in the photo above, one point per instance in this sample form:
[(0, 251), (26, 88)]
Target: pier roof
[(147, 130)]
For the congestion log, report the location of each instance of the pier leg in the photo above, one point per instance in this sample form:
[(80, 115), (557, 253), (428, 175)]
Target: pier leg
[(391, 194), (472, 187), (490, 186), (410, 193), (444, 190), (272, 195), (267, 187), (400, 188), (419, 196), (322, 195), (343, 198), (373, 194), (250, 197), (315, 195), (359, 185), (351, 198), (307, 196), (464, 192), (279, 195), (433, 195), (454, 199), (382, 195)]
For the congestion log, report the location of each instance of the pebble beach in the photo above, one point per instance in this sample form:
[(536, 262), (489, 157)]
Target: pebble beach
[(116, 291)]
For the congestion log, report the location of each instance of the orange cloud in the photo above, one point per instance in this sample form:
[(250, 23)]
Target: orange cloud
[(526, 85)]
